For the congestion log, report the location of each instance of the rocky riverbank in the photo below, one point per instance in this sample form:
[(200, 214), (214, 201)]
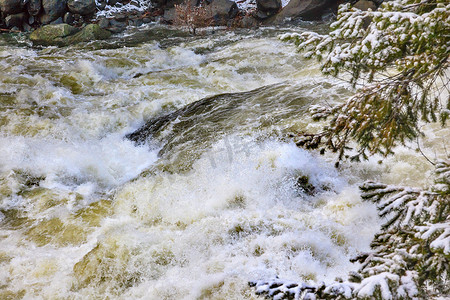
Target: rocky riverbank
[(115, 16)]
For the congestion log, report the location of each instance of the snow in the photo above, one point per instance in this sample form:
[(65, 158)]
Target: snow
[(143, 5)]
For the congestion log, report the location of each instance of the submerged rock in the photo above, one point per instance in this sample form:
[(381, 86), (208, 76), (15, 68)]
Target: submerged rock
[(64, 34)]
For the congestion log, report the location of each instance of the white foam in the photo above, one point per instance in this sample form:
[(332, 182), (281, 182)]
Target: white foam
[(106, 163), (212, 219)]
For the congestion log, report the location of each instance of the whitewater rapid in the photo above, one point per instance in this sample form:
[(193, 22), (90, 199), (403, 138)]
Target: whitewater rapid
[(208, 203)]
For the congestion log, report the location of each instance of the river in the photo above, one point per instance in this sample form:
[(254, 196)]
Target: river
[(208, 202)]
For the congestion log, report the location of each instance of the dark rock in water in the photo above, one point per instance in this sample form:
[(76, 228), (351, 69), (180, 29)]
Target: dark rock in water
[(268, 7), (11, 6), (112, 2), (68, 18), (305, 9), (82, 7), (15, 20), (183, 122), (146, 20), (303, 183), (53, 9), (34, 7)]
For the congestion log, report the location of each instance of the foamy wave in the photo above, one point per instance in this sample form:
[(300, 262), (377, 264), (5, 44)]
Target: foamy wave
[(107, 163)]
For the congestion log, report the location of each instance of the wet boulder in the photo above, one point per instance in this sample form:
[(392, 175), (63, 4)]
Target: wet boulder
[(11, 6), (81, 7), (90, 32), (305, 9), (53, 9), (52, 34), (64, 34)]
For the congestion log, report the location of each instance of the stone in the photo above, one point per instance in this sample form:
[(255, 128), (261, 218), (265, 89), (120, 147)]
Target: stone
[(138, 22), (262, 15), (9, 7), (31, 20), (89, 33), (57, 21), (34, 7), (223, 10), (15, 20), (169, 14), (116, 23), (270, 6), (26, 27), (68, 18), (64, 34), (249, 22), (365, 5), (103, 23), (120, 17), (53, 9), (51, 34), (306, 9), (114, 29), (82, 7)]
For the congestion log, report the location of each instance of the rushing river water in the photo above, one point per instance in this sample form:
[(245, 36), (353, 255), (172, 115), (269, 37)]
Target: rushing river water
[(204, 205)]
